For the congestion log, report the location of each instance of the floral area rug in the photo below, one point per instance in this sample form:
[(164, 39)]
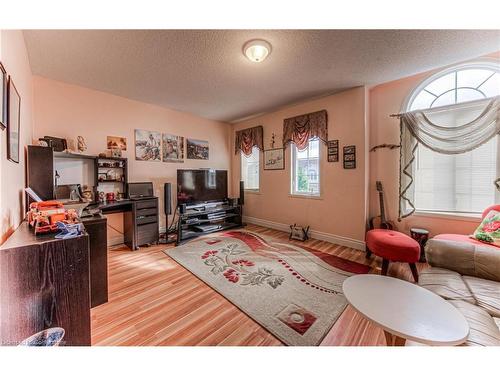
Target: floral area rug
[(293, 292)]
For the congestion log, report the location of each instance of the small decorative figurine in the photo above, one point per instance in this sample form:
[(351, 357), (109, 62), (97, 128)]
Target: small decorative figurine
[(82, 146)]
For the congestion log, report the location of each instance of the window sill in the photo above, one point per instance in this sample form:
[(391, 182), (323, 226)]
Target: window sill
[(305, 196), (251, 191), (450, 215)]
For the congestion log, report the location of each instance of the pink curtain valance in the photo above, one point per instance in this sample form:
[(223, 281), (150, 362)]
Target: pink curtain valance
[(300, 129), (246, 139)]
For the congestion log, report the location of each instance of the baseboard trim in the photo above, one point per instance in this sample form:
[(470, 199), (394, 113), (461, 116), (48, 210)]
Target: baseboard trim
[(328, 237)]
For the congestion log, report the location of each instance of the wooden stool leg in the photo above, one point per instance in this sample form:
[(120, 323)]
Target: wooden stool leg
[(385, 266), (414, 271), (393, 340)]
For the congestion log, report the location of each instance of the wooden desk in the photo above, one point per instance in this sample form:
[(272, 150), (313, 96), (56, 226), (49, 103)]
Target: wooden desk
[(44, 283), (96, 228)]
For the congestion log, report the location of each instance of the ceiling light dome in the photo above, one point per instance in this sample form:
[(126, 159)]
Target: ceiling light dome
[(257, 50)]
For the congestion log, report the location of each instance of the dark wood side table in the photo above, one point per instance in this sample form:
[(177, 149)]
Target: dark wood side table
[(421, 236)]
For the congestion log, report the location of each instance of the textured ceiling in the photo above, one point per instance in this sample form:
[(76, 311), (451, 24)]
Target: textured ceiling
[(204, 72)]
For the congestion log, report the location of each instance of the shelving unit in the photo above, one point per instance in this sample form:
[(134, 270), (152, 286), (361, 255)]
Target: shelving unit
[(230, 218), (104, 165)]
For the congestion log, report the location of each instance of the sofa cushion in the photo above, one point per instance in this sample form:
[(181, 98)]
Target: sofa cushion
[(445, 283), (462, 238), (464, 257), (483, 329), (486, 293)]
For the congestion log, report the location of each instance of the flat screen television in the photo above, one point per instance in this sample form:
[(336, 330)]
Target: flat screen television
[(195, 186)]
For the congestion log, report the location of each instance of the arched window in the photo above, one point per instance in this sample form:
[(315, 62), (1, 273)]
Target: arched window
[(463, 182)]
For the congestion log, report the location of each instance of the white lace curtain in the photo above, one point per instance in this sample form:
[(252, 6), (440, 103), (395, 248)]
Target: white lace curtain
[(453, 129)]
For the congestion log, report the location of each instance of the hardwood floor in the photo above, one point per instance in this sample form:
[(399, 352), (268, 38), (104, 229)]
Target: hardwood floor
[(155, 301)]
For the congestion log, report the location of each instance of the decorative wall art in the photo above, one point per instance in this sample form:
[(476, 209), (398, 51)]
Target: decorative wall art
[(173, 148), (3, 97), (333, 151), (197, 149), (349, 157), (116, 142), (13, 122), (274, 159), (147, 145)]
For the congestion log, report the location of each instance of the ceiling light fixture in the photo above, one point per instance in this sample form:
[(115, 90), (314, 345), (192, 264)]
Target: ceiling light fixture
[(257, 50)]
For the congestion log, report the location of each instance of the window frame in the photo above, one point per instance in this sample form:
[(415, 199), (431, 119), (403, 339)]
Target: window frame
[(486, 63), (483, 63), (293, 157), (257, 190)]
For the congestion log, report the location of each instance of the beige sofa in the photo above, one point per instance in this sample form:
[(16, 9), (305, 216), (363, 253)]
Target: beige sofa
[(467, 274)]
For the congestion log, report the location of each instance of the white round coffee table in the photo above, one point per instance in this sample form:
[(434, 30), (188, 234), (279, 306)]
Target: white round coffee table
[(406, 311)]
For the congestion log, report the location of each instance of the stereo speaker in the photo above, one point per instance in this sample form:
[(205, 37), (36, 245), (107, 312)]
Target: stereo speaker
[(242, 193), (167, 198)]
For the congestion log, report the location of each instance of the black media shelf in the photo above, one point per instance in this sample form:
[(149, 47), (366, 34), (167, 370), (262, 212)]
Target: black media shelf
[(230, 218)]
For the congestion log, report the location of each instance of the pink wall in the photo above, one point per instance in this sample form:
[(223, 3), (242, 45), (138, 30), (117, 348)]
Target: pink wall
[(14, 57), (65, 110), (384, 100), (339, 215)]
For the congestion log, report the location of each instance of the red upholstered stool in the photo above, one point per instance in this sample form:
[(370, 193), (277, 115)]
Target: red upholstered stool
[(393, 246)]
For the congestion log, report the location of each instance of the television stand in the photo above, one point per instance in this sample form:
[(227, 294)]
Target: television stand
[(209, 218)]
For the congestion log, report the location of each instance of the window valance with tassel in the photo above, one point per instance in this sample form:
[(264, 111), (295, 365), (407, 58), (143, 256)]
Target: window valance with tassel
[(246, 139), (300, 129)]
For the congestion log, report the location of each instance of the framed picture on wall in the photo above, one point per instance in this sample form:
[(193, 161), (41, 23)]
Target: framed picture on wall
[(13, 122), (350, 157), (3, 97), (114, 142), (333, 151), (173, 148), (147, 145), (197, 149), (274, 159)]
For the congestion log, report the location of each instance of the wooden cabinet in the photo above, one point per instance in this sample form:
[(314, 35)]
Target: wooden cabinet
[(96, 228), (44, 282), (146, 223)]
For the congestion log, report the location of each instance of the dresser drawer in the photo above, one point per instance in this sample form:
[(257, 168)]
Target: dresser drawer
[(146, 219), (150, 203), (147, 212), (147, 233)]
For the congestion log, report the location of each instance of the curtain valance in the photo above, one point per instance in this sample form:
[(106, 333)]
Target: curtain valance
[(246, 139), (301, 128), (453, 129)]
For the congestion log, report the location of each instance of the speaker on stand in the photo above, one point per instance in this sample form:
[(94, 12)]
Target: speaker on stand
[(167, 209), (241, 200)]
